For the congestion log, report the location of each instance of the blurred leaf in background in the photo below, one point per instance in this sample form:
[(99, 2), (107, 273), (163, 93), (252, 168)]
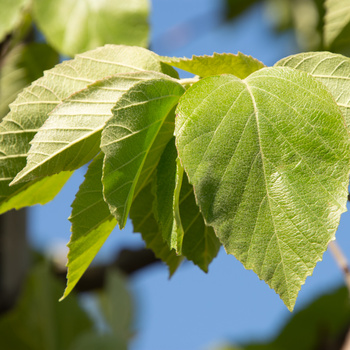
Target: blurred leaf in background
[(23, 64), (11, 12), (321, 325), (40, 322), (76, 26)]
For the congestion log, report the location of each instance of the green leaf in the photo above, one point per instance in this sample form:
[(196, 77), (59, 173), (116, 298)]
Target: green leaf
[(239, 65), (166, 205), (200, 243), (322, 322), (91, 221), (117, 306), (269, 161), (36, 192), (177, 234), (38, 321), (134, 139), (175, 207), (32, 106), (337, 23), (333, 70), (21, 66), (76, 26), (92, 341), (71, 135), (10, 15), (142, 216)]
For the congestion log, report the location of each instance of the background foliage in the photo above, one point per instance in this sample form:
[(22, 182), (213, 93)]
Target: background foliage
[(21, 71)]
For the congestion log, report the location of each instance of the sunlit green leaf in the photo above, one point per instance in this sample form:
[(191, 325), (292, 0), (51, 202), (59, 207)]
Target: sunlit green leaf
[(143, 220), (269, 160), (71, 135), (333, 70), (91, 221), (133, 141), (32, 106), (239, 65), (41, 191), (76, 26)]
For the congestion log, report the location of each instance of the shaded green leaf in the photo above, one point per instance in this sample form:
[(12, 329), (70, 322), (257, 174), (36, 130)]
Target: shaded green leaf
[(93, 341), (10, 15), (143, 220), (91, 221), (166, 205), (76, 26), (39, 322), (71, 135), (337, 23), (21, 66), (333, 70), (117, 306), (31, 108), (269, 160), (177, 234), (134, 139), (198, 241), (323, 321), (239, 65)]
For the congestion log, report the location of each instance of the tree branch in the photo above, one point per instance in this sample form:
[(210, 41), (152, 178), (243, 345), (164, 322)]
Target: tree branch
[(340, 259), (128, 262)]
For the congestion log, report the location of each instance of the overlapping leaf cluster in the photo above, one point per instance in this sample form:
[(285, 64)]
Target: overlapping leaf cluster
[(259, 162)]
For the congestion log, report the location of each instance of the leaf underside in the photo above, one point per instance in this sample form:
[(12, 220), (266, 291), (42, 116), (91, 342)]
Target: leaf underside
[(91, 221), (133, 141), (71, 135), (269, 168), (31, 108)]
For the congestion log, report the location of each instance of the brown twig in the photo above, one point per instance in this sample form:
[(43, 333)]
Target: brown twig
[(128, 262), (340, 259)]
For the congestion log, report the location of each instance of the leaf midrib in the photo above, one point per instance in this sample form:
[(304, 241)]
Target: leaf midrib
[(266, 187)]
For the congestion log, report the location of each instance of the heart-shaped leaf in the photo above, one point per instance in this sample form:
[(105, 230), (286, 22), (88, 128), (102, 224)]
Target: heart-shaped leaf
[(269, 160)]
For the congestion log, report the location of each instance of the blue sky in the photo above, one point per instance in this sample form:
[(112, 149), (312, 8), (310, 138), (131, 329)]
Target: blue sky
[(194, 310)]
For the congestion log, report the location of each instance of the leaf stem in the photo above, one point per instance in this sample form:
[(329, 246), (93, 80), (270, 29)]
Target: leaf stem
[(340, 259)]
